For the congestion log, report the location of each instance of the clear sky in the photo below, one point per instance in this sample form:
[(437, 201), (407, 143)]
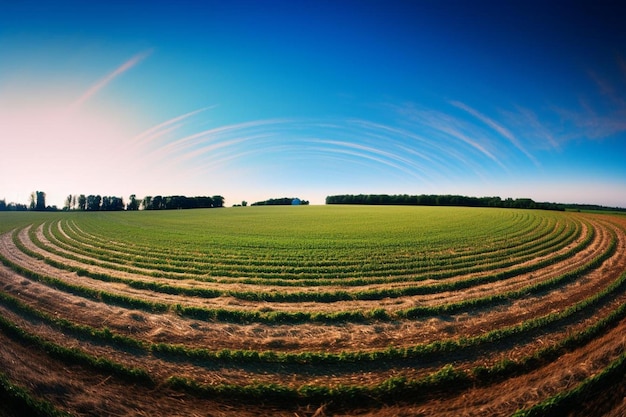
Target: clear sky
[(264, 99)]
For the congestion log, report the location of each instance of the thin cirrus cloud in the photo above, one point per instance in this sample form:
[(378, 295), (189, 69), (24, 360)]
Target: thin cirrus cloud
[(536, 132), (503, 131), (437, 125), (600, 112), (441, 157), (215, 150), (273, 142), (164, 128), (95, 88), (381, 156), (189, 144)]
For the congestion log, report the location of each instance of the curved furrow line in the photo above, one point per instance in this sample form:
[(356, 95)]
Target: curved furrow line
[(546, 331), (338, 294), (298, 316), (254, 266), (403, 387), (613, 295), (102, 275), (406, 271)]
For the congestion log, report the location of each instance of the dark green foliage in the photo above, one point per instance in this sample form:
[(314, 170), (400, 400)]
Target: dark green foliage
[(440, 200), (175, 202), (283, 201)]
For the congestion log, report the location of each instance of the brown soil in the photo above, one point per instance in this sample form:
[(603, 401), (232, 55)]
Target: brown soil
[(83, 391)]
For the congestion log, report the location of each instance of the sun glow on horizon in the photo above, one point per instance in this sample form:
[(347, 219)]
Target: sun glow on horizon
[(76, 148)]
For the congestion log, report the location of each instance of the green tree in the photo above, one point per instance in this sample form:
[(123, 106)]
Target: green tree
[(218, 201), (157, 202), (38, 201), (68, 203), (110, 203), (93, 202), (82, 202), (133, 203)]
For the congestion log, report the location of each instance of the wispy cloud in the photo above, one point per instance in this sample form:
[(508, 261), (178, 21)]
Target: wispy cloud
[(600, 115), (451, 128), (607, 89), (94, 89), (164, 128), (435, 148), (532, 128), (208, 150), (506, 133), (237, 132), (587, 124), (362, 153), (442, 158), (369, 150)]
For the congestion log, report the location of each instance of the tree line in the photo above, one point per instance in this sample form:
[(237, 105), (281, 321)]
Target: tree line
[(37, 203), (180, 202), (441, 200), (92, 202), (284, 201)]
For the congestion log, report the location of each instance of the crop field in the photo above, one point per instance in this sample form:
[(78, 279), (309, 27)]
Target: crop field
[(313, 311)]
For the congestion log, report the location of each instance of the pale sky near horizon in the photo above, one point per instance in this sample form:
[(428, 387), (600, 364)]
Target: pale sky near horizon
[(255, 100)]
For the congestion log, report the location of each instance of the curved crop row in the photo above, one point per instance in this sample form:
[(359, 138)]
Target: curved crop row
[(279, 262), (365, 310), (400, 272), (338, 295), (223, 314)]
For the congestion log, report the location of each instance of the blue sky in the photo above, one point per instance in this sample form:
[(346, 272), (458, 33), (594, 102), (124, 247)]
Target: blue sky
[(254, 100)]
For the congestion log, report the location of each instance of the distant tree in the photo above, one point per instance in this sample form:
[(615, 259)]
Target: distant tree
[(175, 202), (441, 200), (110, 203), (68, 203), (93, 202), (244, 203), (146, 203), (39, 200), (204, 202), (157, 202), (82, 202), (283, 201), (3, 205), (16, 207), (32, 201), (218, 201), (133, 204)]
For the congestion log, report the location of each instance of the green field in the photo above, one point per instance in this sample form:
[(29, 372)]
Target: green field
[(327, 309), (310, 242)]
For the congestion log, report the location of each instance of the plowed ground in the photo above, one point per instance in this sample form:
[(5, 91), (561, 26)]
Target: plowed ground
[(85, 330)]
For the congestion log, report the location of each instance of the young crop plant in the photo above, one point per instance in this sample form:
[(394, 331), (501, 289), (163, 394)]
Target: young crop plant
[(317, 310)]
